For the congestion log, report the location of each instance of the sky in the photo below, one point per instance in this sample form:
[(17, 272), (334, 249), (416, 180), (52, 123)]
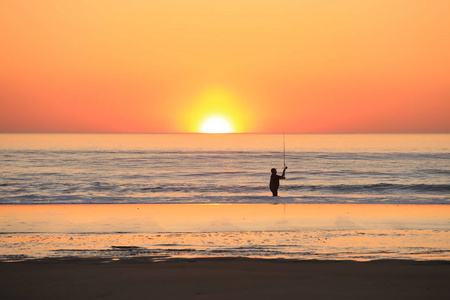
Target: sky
[(165, 66)]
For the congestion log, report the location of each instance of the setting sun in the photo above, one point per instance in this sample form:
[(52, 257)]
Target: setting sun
[(215, 109), (216, 124)]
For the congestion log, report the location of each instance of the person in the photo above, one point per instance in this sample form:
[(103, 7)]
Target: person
[(275, 181)]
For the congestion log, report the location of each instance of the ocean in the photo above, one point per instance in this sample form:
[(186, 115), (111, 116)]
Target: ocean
[(230, 168), (165, 196)]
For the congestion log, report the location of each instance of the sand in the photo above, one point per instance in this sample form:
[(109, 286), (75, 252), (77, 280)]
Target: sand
[(41, 231), (225, 278)]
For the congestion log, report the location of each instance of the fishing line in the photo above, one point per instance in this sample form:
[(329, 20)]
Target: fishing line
[(284, 151)]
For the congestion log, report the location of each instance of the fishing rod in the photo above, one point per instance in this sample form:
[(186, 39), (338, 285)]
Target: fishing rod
[(284, 151)]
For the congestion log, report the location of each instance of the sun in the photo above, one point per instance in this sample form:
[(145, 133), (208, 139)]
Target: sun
[(216, 124)]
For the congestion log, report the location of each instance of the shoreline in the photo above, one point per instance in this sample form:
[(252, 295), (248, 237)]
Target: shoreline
[(225, 203), (156, 259), (175, 217), (224, 278)]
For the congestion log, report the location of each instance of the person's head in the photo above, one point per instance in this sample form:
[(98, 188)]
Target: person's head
[(273, 170)]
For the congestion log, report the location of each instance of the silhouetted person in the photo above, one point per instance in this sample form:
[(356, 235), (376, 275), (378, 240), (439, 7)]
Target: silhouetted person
[(275, 181)]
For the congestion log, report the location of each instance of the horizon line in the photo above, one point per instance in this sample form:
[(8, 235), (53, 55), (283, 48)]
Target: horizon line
[(203, 133)]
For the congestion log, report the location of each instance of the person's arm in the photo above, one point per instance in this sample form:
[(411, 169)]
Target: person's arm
[(284, 172)]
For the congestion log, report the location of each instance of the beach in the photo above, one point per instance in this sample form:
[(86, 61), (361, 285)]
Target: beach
[(235, 251), (230, 278), (225, 150)]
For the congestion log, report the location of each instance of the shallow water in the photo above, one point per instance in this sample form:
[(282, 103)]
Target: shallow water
[(231, 168)]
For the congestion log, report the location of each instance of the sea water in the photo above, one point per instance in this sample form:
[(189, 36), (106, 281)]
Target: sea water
[(223, 168), (159, 196)]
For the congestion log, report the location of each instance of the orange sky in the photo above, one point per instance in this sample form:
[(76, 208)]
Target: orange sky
[(267, 66)]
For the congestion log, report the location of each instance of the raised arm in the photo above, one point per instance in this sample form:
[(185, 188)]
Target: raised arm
[(284, 172)]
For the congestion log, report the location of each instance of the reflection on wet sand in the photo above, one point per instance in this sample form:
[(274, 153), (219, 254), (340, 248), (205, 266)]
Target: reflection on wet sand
[(300, 231), (153, 218)]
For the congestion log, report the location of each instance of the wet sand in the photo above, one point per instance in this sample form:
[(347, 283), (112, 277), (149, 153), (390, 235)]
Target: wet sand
[(163, 218), (289, 231), (227, 278)]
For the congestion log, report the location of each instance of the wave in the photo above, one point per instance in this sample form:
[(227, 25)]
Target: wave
[(208, 191), (113, 174), (259, 198), (378, 187)]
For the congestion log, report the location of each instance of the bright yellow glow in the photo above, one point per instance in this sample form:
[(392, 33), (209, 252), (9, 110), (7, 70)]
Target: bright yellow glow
[(216, 124), (215, 109)]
